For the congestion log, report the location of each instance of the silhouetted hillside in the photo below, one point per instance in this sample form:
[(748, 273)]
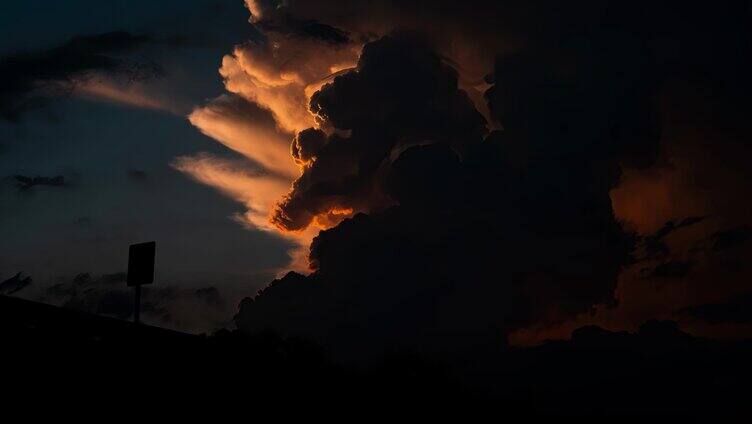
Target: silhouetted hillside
[(658, 370), (34, 323)]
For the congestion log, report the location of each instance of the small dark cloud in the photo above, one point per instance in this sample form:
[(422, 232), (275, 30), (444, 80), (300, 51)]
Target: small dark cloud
[(672, 269), (655, 245), (272, 17), (210, 295), (84, 221), (731, 238), (14, 284), (724, 240), (691, 221), (304, 28), (735, 310), (25, 182), (137, 174), (651, 335), (30, 79)]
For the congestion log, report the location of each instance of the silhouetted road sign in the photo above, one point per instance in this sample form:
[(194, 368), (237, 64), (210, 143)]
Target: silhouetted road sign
[(141, 263), (140, 272)]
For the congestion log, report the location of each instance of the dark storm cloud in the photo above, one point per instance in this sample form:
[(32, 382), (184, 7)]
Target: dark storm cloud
[(477, 161), (487, 235), (736, 310), (30, 78), (401, 94)]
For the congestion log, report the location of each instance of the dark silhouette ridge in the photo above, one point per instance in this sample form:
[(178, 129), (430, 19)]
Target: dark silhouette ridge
[(35, 321), (656, 371)]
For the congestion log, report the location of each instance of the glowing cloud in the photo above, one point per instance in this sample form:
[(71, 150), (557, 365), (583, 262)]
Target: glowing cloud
[(247, 129), (100, 89), (256, 190), (282, 74)]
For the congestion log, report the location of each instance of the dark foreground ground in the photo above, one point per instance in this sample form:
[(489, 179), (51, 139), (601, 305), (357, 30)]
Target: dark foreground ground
[(49, 352)]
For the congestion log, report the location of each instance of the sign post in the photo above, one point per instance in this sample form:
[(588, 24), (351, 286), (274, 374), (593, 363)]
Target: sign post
[(140, 272)]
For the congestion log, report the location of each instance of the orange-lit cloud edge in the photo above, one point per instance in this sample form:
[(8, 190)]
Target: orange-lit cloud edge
[(280, 77)]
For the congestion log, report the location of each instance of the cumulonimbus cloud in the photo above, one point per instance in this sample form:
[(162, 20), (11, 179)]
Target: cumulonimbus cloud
[(441, 230)]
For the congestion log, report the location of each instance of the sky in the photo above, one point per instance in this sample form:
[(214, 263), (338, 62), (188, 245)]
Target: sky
[(115, 153), (435, 175)]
